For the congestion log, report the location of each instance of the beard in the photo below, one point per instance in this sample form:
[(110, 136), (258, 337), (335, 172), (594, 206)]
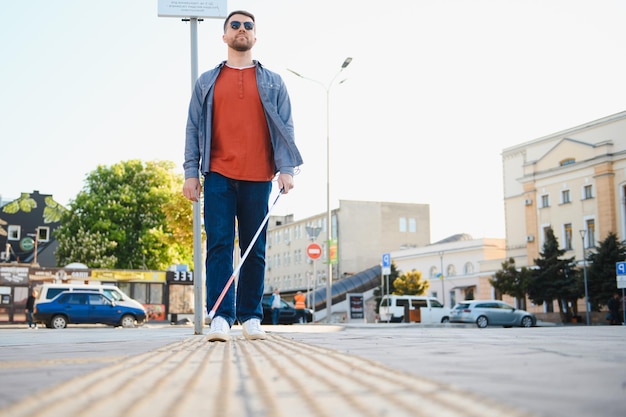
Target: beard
[(241, 44)]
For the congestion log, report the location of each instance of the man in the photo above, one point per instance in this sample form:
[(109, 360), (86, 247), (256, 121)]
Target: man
[(299, 303), (614, 305), (239, 136), (30, 308), (276, 305)]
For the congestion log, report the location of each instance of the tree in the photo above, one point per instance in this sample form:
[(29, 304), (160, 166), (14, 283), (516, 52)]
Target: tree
[(511, 281), (410, 283), (554, 279), (129, 215), (601, 282)]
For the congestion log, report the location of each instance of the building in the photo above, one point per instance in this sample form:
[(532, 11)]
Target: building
[(573, 181), (467, 266), (26, 229), (364, 230)]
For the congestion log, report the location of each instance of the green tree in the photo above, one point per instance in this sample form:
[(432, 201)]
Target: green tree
[(601, 282), (129, 215), (554, 279), (511, 281), (410, 283)]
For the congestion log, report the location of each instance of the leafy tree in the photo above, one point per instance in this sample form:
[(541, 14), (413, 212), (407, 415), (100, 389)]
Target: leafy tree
[(128, 215), (511, 281), (410, 283), (554, 278), (601, 270)]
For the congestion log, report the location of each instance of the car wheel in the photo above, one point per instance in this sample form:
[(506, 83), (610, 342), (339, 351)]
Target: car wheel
[(527, 321), (445, 320), (128, 321), (482, 322), (58, 322)]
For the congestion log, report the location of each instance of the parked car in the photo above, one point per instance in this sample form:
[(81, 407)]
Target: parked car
[(287, 312), (430, 309), (81, 307), (491, 313), (48, 291)]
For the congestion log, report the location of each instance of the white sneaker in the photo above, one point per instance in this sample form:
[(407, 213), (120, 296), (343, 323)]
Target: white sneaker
[(252, 330), (220, 330)]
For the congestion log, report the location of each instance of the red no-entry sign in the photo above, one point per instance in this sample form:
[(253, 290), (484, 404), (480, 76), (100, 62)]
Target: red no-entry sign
[(314, 251)]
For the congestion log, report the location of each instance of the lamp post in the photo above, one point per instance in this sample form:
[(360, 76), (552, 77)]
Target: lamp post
[(329, 274), (582, 237), (443, 293)]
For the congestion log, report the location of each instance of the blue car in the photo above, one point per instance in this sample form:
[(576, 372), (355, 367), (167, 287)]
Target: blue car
[(87, 307)]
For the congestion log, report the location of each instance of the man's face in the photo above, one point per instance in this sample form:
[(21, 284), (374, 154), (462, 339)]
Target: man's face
[(240, 39)]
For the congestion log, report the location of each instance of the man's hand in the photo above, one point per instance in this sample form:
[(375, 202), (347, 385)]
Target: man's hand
[(191, 189), (285, 182)]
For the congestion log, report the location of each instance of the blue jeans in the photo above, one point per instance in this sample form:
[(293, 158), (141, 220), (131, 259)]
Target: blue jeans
[(224, 200), (276, 315)]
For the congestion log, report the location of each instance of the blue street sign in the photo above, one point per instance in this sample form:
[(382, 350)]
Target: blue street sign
[(387, 260), (620, 268)]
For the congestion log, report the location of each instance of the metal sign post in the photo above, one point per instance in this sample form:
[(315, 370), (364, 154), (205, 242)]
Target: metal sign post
[(193, 11), (620, 269), (386, 271)]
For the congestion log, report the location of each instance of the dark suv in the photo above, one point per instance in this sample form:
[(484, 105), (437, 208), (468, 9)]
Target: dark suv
[(287, 312)]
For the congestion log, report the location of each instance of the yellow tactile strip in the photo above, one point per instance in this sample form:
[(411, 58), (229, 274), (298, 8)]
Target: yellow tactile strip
[(273, 378)]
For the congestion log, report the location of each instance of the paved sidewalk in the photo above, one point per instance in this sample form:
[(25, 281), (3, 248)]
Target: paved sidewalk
[(275, 377), (315, 370)]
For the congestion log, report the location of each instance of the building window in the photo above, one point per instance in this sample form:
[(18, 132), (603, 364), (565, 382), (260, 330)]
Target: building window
[(545, 200), (412, 225), (451, 271), (432, 272), (14, 232), (587, 192), (402, 224), (567, 236), (591, 231), (43, 234), (565, 197), (468, 268), (567, 161)]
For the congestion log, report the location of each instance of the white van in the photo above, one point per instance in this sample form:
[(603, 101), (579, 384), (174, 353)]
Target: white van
[(48, 291), (422, 309)]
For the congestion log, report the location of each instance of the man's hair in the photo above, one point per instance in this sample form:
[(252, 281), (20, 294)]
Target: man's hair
[(243, 12)]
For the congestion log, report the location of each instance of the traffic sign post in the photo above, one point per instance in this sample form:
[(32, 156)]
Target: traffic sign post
[(314, 251), (193, 11), (386, 271), (620, 276)]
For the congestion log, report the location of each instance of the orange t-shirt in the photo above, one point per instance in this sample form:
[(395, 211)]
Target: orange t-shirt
[(241, 148)]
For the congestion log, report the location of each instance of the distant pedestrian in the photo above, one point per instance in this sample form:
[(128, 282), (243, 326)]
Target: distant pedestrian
[(30, 309), (613, 305), (299, 301), (276, 305)]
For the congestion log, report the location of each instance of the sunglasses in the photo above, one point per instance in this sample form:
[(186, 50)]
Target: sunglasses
[(247, 25)]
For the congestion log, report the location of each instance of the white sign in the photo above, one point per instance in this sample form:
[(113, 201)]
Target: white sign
[(193, 8), (621, 281)]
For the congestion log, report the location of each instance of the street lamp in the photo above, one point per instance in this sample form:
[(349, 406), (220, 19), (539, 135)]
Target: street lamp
[(582, 236), (443, 293), (329, 275)]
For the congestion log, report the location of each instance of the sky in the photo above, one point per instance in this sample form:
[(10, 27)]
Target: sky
[(436, 90)]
